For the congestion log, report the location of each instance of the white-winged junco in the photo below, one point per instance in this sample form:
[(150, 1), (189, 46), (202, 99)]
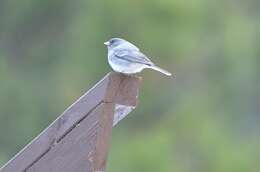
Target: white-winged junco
[(126, 58)]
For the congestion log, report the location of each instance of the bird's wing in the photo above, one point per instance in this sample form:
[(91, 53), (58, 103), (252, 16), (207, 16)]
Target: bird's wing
[(133, 56)]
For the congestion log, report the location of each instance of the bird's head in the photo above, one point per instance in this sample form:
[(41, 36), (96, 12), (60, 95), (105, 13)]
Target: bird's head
[(119, 42), (114, 42)]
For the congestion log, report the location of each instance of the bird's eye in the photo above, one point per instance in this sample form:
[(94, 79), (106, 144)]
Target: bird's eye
[(112, 41)]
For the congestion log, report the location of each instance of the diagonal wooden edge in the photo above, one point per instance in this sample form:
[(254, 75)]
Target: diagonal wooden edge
[(83, 149), (113, 89)]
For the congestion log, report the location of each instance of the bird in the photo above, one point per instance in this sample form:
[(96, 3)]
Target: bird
[(124, 57)]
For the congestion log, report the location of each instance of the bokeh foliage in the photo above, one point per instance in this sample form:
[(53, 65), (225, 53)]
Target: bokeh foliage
[(205, 119)]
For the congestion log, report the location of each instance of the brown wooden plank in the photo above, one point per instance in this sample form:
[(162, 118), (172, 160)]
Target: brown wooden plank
[(113, 88), (79, 151), (104, 135), (41, 144), (128, 90)]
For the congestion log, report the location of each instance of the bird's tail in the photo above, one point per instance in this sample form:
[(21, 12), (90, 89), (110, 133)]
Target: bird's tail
[(160, 70)]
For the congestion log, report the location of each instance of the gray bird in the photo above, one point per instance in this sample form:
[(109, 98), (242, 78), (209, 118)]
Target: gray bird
[(126, 58)]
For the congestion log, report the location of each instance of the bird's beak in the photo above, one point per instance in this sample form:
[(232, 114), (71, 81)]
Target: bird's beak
[(107, 43)]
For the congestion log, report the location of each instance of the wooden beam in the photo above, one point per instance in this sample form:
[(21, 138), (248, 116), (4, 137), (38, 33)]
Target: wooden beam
[(78, 140)]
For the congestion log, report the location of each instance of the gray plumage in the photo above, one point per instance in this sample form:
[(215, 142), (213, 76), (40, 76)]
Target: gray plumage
[(126, 58)]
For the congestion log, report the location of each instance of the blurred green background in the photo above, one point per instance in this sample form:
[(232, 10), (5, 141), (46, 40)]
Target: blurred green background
[(205, 119)]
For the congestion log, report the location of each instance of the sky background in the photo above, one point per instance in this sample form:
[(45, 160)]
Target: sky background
[(205, 119)]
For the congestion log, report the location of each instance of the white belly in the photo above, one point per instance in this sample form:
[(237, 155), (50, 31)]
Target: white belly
[(127, 68)]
